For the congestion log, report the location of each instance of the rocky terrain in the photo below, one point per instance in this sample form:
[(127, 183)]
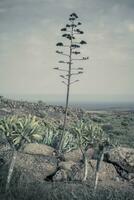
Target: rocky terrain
[(41, 173), (39, 164)]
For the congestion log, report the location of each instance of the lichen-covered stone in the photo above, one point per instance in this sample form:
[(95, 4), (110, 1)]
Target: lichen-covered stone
[(38, 149), (122, 156)]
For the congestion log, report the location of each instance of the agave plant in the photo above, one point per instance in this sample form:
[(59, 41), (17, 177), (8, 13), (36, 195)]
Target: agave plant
[(21, 129), (88, 133)]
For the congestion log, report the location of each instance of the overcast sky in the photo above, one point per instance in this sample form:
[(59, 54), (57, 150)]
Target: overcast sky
[(29, 30)]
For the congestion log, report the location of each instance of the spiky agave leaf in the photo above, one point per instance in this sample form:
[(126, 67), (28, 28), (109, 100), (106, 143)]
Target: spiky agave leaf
[(37, 137)]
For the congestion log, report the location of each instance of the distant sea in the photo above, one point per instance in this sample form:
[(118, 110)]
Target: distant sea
[(84, 104), (99, 106)]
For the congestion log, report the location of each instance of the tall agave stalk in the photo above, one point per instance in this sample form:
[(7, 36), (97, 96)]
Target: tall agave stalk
[(71, 31)]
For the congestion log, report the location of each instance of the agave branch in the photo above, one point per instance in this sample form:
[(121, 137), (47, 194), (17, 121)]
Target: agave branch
[(62, 53), (84, 58), (82, 42), (73, 74), (63, 77), (59, 44), (74, 82), (65, 62), (78, 68), (59, 69), (64, 82), (59, 52), (75, 46), (76, 52), (81, 32)]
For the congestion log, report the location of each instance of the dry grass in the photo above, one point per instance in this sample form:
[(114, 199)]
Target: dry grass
[(68, 191)]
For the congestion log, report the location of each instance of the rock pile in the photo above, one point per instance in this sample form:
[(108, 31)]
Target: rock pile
[(38, 162)]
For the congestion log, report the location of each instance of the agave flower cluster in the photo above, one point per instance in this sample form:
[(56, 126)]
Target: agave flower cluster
[(71, 50)]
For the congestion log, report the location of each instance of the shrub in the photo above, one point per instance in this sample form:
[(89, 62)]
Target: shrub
[(107, 127), (123, 123)]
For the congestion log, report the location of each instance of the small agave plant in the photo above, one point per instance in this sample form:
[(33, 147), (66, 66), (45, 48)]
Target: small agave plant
[(88, 133)]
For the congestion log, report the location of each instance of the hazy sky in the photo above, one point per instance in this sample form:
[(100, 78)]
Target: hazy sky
[(29, 30)]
